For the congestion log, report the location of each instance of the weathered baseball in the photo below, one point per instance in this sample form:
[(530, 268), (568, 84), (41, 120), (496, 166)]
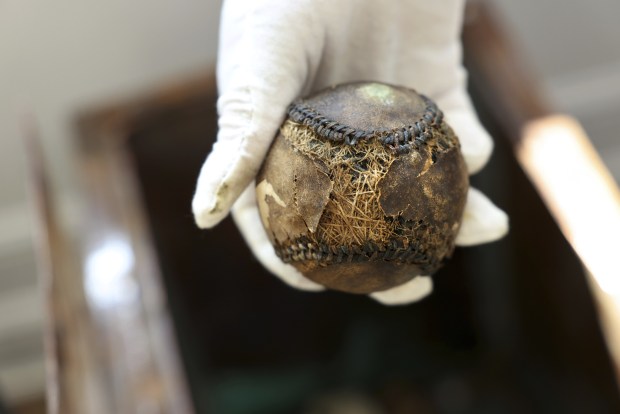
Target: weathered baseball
[(364, 187)]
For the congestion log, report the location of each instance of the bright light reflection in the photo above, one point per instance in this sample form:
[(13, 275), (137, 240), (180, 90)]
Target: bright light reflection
[(108, 267), (579, 190)]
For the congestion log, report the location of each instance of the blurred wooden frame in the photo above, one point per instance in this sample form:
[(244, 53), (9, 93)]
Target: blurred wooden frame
[(559, 159), (111, 347), (109, 340)]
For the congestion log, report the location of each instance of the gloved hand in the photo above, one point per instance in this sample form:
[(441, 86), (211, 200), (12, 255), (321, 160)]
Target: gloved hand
[(272, 52)]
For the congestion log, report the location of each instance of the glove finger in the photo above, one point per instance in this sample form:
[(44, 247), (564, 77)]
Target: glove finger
[(412, 291), (483, 222), (476, 143), (246, 216), (260, 73)]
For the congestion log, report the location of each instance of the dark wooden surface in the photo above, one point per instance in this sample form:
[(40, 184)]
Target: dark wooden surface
[(511, 326)]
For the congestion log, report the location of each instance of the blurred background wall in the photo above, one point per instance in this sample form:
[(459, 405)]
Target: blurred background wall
[(574, 48), (59, 57), (55, 59)]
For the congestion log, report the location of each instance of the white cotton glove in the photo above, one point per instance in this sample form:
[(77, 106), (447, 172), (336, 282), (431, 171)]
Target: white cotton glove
[(272, 52)]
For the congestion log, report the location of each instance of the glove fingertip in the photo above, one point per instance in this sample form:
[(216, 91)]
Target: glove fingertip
[(483, 222), (412, 291), (207, 206), (207, 218), (476, 143)]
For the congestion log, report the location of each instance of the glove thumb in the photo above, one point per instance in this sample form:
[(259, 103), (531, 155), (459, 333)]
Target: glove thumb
[(260, 72)]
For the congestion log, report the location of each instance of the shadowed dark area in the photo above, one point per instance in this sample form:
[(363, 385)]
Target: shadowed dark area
[(510, 326)]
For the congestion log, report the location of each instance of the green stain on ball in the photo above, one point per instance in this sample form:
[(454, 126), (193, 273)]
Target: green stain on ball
[(378, 93)]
